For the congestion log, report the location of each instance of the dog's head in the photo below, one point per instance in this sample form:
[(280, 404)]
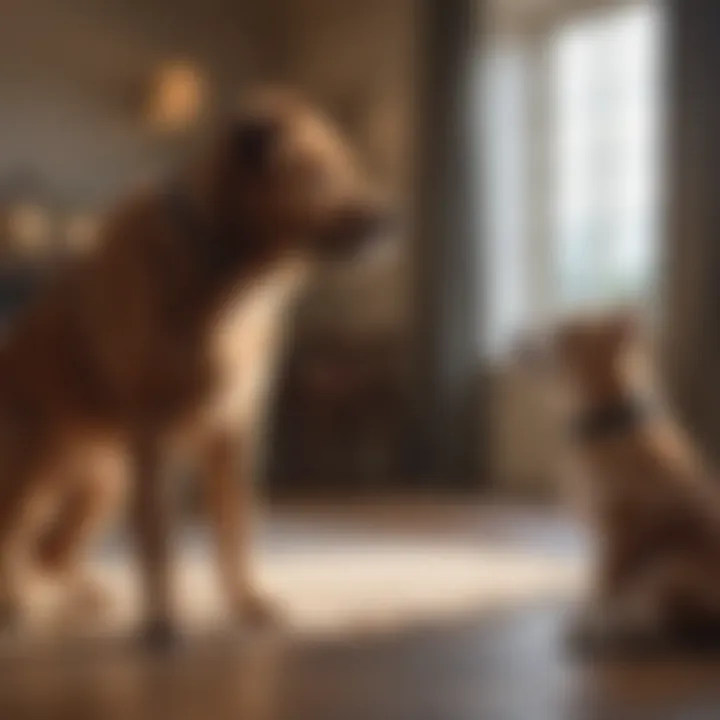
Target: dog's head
[(598, 355), (282, 172), (594, 360)]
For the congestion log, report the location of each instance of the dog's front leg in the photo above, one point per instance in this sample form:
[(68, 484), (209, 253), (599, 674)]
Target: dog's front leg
[(152, 518), (230, 464)]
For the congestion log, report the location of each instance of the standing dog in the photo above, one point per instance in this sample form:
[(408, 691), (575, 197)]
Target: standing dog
[(165, 340), (655, 508)]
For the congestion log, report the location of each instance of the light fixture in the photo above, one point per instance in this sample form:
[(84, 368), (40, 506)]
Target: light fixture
[(177, 96), (29, 229)]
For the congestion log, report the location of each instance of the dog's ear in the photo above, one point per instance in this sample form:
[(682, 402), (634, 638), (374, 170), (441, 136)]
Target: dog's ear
[(253, 144)]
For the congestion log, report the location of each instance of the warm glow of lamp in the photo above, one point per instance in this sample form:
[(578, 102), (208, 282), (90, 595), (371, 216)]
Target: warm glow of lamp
[(29, 228), (178, 93)]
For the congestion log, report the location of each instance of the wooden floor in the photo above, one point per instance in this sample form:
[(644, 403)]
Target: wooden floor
[(508, 664)]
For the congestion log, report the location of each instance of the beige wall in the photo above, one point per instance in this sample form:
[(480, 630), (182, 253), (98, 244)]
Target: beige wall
[(71, 74)]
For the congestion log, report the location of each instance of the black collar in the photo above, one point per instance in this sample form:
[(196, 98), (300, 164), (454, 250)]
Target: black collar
[(610, 421)]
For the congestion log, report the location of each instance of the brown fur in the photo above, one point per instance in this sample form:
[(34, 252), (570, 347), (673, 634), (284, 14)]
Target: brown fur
[(656, 508), (113, 370)]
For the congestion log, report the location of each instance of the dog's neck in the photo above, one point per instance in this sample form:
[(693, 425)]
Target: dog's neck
[(610, 420), (224, 258), (615, 404), (220, 248)]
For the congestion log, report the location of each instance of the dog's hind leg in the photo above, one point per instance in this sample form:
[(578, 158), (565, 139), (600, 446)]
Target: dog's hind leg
[(21, 501), (86, 507), (13, 559)]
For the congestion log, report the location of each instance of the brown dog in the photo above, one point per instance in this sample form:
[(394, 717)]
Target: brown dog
[(655, 509), (164, 341)]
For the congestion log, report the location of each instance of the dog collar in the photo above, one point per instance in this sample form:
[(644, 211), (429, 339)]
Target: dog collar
[(606, 422)]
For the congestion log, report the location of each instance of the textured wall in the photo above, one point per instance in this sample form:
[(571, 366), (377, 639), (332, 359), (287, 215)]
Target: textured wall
[(69, 72)]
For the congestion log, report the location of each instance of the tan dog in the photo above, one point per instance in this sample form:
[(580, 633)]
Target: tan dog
[(164, 341), (655, 509)]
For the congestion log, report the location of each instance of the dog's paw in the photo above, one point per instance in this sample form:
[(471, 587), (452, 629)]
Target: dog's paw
[(585, 637), (257, 611), (597, 636)]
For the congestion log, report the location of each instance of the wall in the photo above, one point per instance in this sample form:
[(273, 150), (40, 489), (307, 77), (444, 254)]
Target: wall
[(71, 72)]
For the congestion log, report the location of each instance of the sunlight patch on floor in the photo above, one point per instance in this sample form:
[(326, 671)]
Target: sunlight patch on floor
[(350, 585)]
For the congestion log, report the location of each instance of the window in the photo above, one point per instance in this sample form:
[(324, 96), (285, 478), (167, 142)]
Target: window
[(571, 127), (604, 150)]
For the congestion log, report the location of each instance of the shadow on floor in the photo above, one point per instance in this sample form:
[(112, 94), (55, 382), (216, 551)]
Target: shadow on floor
[(503, 665)]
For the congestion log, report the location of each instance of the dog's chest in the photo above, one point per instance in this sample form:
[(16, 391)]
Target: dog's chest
[(246, 338)]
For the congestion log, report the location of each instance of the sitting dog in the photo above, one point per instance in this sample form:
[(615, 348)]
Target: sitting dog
[(163, 342), (654, 507)]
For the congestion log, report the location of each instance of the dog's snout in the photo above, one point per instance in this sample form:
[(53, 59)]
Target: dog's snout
[(368, 222), (356, 226), (383, 221)]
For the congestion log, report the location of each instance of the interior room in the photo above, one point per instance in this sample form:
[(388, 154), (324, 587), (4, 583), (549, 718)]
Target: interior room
[(414, 519)]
